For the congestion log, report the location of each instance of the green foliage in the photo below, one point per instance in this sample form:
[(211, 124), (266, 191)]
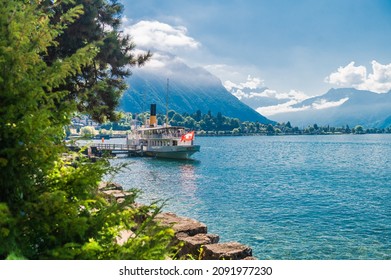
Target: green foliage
[(88, 131), (73, 220), (99, 86), (50, 204), (358, 129), (7, 224), (32, 119)]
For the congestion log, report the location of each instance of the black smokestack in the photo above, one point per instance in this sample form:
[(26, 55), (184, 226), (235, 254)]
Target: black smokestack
[(152, 119), (153, 109)]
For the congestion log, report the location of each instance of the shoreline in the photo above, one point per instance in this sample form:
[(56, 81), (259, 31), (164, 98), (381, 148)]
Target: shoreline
[(216, 134), (198, 244)]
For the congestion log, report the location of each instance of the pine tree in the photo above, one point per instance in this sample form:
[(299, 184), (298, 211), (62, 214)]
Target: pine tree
[(99, 86), (32, 116), (50, 206)]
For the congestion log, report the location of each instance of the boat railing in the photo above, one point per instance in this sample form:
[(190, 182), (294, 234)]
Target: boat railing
[(115, 147), (156, 136)]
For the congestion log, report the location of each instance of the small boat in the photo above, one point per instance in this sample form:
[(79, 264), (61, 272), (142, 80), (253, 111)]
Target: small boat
[(163, 141)]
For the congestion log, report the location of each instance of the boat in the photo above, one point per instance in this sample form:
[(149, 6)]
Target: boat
[(162, 141)]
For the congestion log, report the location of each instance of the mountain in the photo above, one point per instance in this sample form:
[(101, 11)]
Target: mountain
[(344, 106), (386, 123), (189, 90)]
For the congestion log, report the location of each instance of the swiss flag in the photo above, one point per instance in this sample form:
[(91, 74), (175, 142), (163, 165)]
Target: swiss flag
[(188, 136)]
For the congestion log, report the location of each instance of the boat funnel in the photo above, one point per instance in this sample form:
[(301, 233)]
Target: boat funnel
[(152, 119)]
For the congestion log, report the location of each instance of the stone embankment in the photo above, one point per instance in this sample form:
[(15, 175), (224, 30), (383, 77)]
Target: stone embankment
[(197, 242)]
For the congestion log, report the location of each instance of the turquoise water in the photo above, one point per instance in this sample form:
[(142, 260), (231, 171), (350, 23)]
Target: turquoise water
[(287, 197)]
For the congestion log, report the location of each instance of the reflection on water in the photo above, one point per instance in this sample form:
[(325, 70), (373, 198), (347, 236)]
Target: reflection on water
[(188, 179)]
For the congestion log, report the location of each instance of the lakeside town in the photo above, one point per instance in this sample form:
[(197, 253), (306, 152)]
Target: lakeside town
[(206, 125)]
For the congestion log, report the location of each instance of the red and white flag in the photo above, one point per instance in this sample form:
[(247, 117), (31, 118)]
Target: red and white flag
[(188, 136)]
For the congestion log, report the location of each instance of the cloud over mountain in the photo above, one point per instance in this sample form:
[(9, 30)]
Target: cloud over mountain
[(325, 104), (353, 76), (252, 87), (169, 44), (161, 36), (168, 75), (268, 102), (174, 50), (271, 103), (343, 106)]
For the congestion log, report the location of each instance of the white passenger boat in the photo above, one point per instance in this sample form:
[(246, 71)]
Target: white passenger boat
[(163, 141)]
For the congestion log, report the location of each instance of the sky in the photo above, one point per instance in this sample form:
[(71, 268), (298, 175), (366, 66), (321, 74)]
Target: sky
[(297, 47)]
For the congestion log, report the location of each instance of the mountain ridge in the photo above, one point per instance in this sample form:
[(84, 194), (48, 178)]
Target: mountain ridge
[(187, 89), (343, 106)]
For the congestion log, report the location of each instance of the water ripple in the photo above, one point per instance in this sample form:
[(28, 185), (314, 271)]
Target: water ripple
[(299, 197)]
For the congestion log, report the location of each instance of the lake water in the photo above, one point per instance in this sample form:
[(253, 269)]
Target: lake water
[(287, 197)]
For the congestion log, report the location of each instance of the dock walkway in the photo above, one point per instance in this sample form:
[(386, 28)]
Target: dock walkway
[(99, 149), (114, 149)]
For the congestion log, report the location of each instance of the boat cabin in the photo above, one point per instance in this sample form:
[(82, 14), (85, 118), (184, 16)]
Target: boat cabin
[(159, 136)]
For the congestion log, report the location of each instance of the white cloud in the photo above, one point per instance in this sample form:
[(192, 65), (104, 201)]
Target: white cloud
[(164, 61), (380, 79), (161, 36), (357, 77), (254, 87), (287, 107), (280, 108), (125, 20), (158, 60), (229, 85), (234, 74), (324, 104), (295, 95), (348, 76), (250, 83)]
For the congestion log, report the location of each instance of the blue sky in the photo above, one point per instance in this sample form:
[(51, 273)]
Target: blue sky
[(304, 46)]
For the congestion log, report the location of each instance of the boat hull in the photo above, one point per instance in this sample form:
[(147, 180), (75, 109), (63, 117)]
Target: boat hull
[(172, 152)]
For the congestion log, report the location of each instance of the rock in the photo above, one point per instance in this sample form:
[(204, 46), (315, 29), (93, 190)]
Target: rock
[(226, 251), (197, 243), (118, 195), (181, 224), (194, 236), (105, 186), (193, 244)]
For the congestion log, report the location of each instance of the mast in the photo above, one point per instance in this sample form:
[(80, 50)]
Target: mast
[(167, 102), (144, 107)]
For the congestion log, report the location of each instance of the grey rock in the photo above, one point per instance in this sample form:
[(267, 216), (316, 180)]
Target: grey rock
[(226, 251)]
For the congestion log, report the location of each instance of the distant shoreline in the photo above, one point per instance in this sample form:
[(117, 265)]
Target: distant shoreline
[(107, 137), (285, 134)]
